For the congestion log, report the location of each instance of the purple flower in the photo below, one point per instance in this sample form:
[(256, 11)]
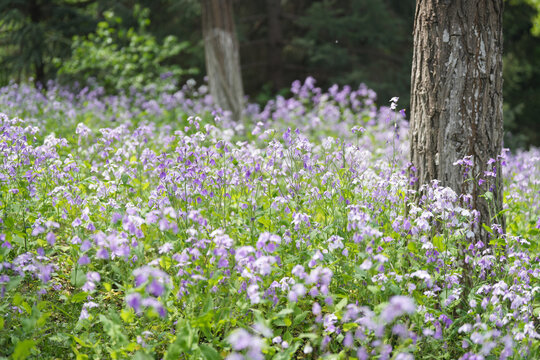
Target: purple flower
[(234, 356), (116, 217), (223, 262), (89, 286), (165, 248), (298, 270), (44, 273), (82, 130), (84, 260), (102, 254), (328, 300), (84, 314), (253, 293), (297, 291), (366, 265), (316, 308), (134, 301), (156, 305), (398, 306), (263, 265), (262, 329), (348, 340), (38, 230), (155, 288), (287, 136), (404, 356), (446, 320), (93, 276), (86, 245), (362, 354), (51, 238), (325, 341), (240, 339), (328, 322), (142, 275)]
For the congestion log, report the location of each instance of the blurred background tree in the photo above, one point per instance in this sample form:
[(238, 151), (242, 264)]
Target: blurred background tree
[(521, 58), (335, 41)]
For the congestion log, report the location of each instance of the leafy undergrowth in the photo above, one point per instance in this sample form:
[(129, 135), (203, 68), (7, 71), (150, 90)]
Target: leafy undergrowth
[(133, 228)]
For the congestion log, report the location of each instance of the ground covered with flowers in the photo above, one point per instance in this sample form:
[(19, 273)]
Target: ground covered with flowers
[(149, 226)]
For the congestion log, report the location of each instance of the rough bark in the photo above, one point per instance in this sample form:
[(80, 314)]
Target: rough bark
[(222, 56), (456, 97)]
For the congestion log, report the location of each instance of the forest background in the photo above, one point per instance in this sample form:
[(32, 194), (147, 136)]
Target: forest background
[(131, 43)]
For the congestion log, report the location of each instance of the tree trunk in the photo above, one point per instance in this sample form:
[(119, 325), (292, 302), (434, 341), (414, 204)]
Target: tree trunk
[(222, 56), (35, 12), (456, 98), (275, 39)]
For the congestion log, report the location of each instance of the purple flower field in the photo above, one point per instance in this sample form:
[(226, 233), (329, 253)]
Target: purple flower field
[(149, 225)]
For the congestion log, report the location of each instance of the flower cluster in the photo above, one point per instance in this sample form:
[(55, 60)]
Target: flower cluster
[(150, 225)]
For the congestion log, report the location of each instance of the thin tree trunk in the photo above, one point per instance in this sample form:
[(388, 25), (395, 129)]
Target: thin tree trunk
[(39, 67), (275, 38), (456, 98), (222, 56)]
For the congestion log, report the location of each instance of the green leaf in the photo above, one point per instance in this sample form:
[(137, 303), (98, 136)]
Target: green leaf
[(310, 336), (80, 341), (265, 221), (79, 297), (438, 242), (139, 355), (78, 277), (17, 299), (287, 354), (287, 321), (113, 328), (340, 305), (284, 312), (185, 338), (43, 319), (9, 223), (487, 228), (209, 352), (26, 307), (300, 317), (23, 349), (127, 315)]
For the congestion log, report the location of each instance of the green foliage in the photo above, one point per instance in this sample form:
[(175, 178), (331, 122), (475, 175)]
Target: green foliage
[(120, 59), (535, 14), (32, 32)]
